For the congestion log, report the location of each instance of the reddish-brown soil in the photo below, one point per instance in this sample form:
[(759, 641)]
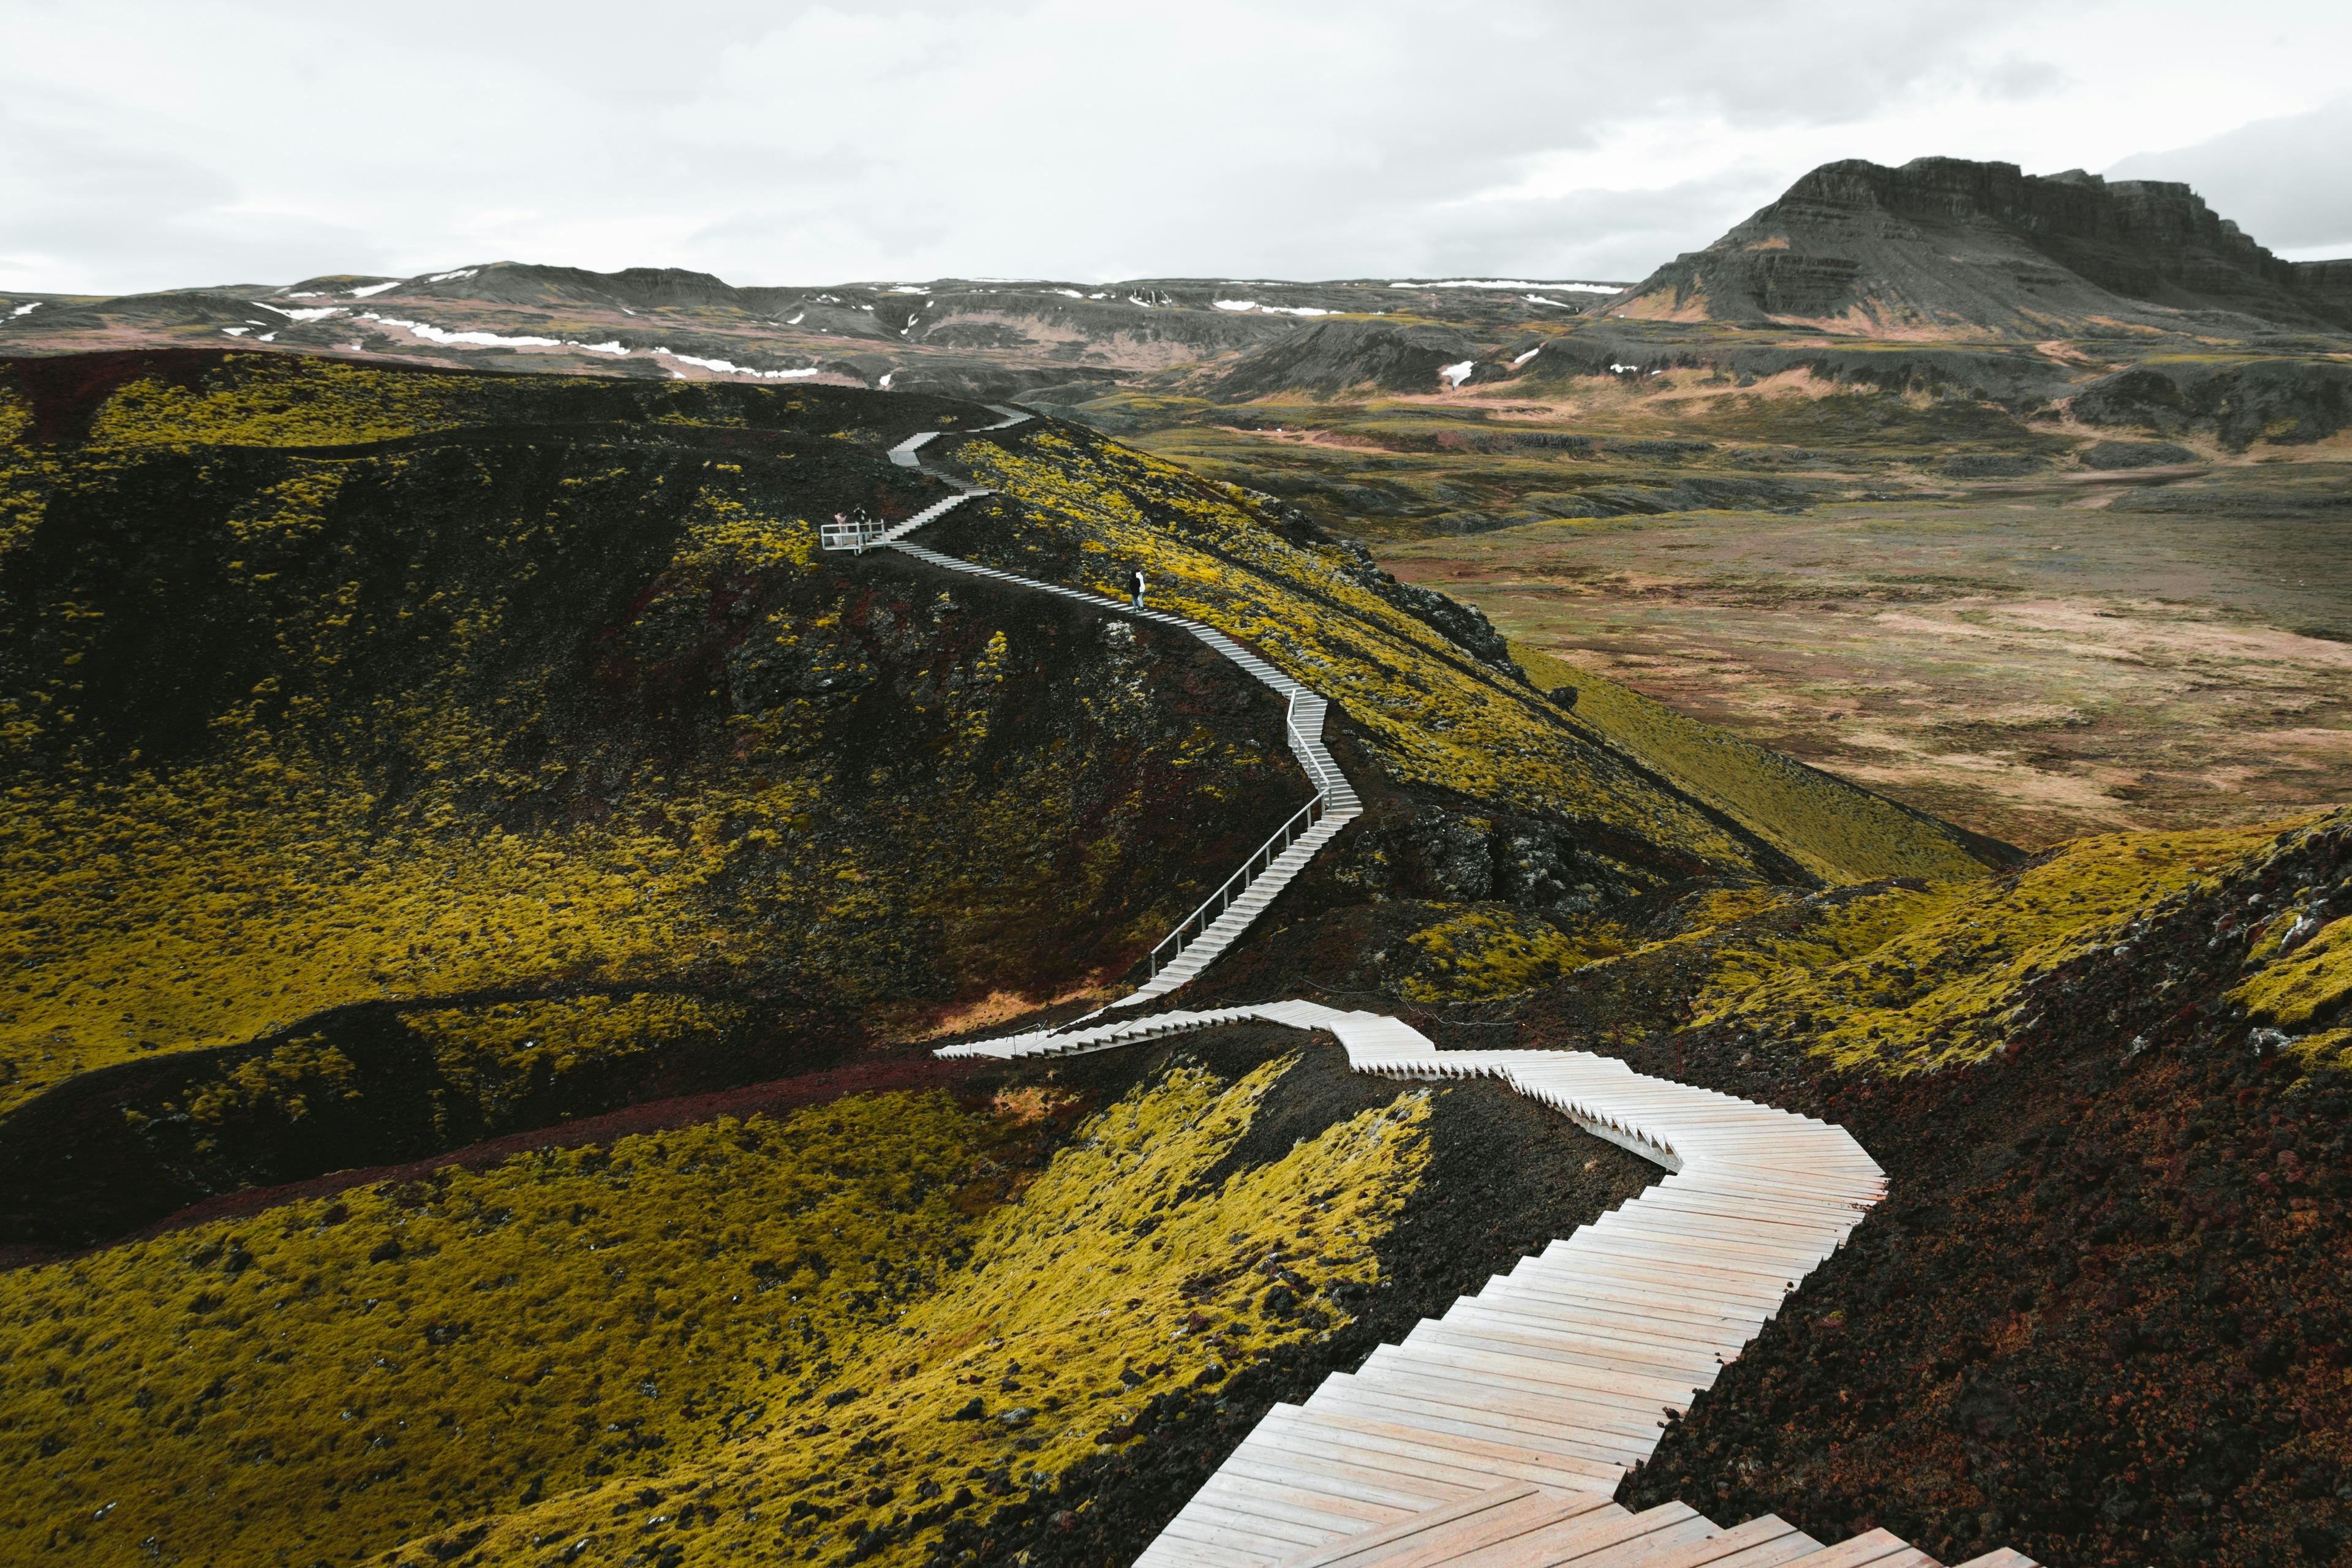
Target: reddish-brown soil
[(2100, 1317)]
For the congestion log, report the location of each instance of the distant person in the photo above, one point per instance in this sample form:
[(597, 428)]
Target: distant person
[(1135, 586)]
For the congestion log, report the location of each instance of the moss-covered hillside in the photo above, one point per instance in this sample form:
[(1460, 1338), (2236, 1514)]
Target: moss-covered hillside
[(913, 1328), (2102, 1318), (396, 759)]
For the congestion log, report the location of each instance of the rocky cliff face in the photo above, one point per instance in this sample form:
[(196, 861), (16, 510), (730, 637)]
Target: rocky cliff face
[(2329, 282), (1943, 245)]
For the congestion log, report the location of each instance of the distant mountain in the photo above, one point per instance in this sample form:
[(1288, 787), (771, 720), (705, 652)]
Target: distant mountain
[(1946, 247)]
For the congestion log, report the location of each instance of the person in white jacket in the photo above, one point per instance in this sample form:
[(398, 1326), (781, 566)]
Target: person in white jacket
[(1135, 586)]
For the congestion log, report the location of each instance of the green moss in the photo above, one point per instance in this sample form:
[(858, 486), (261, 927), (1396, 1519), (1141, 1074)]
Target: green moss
[(1940, 990), (2314, 981), (349, 1371), (743, 1317), (1434, 720), (1494, 951)]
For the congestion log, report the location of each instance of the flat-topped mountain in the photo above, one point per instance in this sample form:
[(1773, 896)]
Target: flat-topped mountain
[(1943, 247)]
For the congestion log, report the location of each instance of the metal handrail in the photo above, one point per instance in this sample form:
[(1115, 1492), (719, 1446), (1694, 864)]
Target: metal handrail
[(855, 535), (1307, 747), (1290, 833)]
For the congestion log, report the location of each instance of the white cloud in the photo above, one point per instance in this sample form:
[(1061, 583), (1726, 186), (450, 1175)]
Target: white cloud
[(786, 141)]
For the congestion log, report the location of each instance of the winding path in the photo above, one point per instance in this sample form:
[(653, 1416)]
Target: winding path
[(1495, 1434)]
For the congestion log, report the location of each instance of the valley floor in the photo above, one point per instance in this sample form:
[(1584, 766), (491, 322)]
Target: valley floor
[(2026, 664)]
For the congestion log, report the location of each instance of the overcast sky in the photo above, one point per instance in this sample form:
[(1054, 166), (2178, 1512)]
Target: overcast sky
[(153, 145)]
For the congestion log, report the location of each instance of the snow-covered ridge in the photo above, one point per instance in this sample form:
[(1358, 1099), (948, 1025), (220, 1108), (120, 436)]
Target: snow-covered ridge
[(305, 313), (432, 334), (427, 332), (1514, 283), (725, 367), (1272, 310)]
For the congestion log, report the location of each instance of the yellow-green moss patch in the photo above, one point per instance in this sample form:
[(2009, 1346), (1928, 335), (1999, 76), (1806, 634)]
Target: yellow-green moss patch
[(1494, 951), (830, 1308), (1939, 992)]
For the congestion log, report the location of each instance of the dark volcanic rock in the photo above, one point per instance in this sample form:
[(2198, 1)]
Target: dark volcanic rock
[(2280, 400), (1332, 356), (2099, 1318), (1944, 243)]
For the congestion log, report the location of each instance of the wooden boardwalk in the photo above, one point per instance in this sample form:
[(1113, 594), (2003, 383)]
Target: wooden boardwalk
[(1494, 1435)]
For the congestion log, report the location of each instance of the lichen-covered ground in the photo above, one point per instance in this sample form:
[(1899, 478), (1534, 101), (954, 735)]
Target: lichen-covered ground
[(896, 1327)]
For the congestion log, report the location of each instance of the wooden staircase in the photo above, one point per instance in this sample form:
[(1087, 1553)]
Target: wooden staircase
[(1528, 1527), (1493, 1437), (1540, 1390), (1202, 936)]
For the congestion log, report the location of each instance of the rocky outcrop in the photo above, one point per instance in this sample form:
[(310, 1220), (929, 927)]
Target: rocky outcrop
[(1332, 356), (2285, 401), (2329, 283), (1945, 244)]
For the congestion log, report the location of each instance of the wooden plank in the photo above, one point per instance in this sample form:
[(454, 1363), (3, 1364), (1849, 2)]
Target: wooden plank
[(1785, 1549), (1411, 1397), (1667, 1278), (1548, 1281), (1497, 1455), (1588, 1385), (1576, 1409), (1627, 1318), (1560, 1345), (1361, 1549), (1726, 1240), (1424, 1482), (1627, 1314), (1655, 1353), (1265, 1541), (1543, 1348), (1583, 1539), (1740, 1539), (1879, 1548), (1169, 1551), (1284, 1464), (1606, 1454), (1235, 1504)]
